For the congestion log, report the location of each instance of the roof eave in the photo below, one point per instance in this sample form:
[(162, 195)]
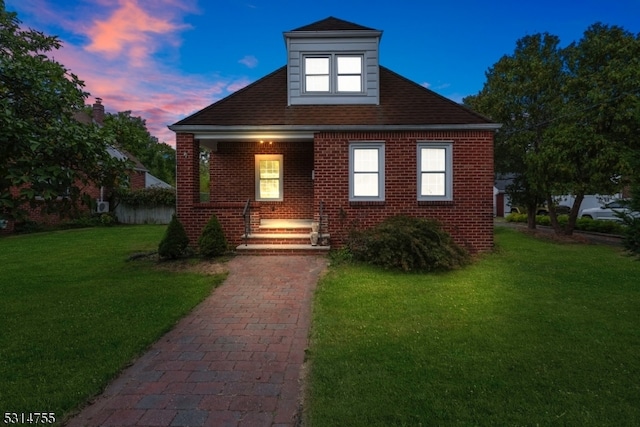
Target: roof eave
[(307, 131)]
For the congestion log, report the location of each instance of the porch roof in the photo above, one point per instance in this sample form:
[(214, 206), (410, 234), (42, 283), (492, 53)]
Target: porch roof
[(263, 105)]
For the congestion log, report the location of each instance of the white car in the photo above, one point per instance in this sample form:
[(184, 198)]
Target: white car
[(609, 211)]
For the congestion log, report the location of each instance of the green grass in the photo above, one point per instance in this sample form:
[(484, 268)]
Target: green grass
[(75, 312), (536, 333)]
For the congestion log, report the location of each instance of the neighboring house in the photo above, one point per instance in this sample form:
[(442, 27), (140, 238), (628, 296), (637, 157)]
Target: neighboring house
[(501, 198), (139, 177), (336, 138)]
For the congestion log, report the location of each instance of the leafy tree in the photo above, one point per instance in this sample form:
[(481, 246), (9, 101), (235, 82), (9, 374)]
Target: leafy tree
[(597, 132), (130, 133), (571, 116), (47, 157), (521, 92)]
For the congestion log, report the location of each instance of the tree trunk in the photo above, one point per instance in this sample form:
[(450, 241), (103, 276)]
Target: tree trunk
[(553, 215), (573, 215), (531, 215)]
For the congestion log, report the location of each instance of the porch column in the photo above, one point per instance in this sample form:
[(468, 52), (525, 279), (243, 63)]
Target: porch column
[(187, 180)]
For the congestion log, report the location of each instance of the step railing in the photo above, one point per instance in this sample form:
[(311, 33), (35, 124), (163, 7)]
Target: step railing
[(246, 216)]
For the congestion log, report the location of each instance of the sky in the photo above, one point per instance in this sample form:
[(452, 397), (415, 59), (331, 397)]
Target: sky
[(166, 59)]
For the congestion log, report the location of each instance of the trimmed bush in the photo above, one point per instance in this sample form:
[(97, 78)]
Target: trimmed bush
[(175, 241), (212, 242), (408, 244)]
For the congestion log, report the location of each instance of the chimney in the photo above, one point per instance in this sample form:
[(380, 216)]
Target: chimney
[(98, 112)]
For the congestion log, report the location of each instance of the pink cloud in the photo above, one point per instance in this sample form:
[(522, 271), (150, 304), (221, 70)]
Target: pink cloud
[(132, 31), (113, 47)]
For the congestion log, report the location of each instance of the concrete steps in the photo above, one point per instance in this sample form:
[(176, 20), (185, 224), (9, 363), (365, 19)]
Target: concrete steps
[(282, 237)]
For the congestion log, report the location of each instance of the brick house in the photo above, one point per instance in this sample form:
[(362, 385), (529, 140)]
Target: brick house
[(335, 138), (138, 176)]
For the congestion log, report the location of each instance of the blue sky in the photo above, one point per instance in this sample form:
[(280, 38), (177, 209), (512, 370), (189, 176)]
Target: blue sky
[(165, 59)]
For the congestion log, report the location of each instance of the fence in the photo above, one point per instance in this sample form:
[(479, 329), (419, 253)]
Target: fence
[(144, 215)]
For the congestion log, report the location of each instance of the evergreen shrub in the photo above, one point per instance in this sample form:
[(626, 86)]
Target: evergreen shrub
[(175, 241), (212, 242), (408, 244)]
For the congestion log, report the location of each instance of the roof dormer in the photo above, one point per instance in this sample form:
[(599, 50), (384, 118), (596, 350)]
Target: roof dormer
[(333, 62)]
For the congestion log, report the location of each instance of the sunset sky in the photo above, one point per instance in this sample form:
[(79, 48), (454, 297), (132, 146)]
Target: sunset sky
[(165, 59)]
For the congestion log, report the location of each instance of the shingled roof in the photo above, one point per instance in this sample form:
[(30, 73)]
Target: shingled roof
[(402, 102), (333, 24)]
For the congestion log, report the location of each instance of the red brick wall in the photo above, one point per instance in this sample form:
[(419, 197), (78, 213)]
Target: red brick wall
[(469, 217), (137, 180)]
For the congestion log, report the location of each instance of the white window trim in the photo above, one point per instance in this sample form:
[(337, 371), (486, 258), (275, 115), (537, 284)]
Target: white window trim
[(448, 147), (378, 145), (258, 158), (333, 73)]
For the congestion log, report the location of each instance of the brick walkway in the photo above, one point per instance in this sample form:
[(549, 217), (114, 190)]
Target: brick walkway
[(236, 360)]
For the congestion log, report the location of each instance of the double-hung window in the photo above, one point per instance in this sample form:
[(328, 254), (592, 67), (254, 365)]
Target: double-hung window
[(435, 171), (316, 74), (268, 177), (366, 171), (349, 73), (333, 73)]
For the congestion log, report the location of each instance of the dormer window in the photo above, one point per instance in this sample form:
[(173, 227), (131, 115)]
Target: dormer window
[(349, 71), (333, 73), (333, 62), (317, 74)]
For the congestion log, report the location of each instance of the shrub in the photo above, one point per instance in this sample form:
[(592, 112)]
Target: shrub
[(516, 217), (409, 244), (582, 224), (212, 242), (147, 197), (631, 239), (175, 240)]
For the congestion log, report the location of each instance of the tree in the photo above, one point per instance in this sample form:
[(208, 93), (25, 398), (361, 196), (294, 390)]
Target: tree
[(597, 133), (131, 134), (571, 116), (521, 92), (47, 157)]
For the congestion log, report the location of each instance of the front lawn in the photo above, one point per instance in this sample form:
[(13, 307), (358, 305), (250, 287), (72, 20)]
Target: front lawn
[(537, 333), (74, 312)]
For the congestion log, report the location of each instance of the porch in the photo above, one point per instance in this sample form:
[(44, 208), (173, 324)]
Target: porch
[(275, 181)]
